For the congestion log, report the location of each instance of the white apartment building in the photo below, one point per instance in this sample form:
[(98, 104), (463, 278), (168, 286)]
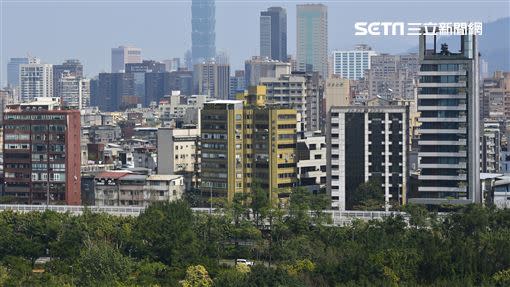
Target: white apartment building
[(353, 63), (36, 81)]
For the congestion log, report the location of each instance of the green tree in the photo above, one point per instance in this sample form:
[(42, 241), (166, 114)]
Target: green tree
[(164, 232), (197, 276), (368, 196), (100, 264)]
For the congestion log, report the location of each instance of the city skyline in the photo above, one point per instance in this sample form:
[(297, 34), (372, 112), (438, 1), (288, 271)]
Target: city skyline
[(167, 43)]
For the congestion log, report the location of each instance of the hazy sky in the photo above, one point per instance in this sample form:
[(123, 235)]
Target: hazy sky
[(56, 30)]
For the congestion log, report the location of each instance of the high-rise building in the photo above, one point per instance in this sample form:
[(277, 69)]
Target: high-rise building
[(139, 70), (262, 67), (212, 79), (367, 143), (114, 91), (247, 144), (300, 91), (42, 153), (203, 35), (124, 55), (352, 64), (74, 91), (71, 67), (36, 81), (312, 38), (273, 34), (13, 70), (449, 143)]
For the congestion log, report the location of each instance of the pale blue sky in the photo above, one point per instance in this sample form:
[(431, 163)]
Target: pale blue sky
[(86, 29)]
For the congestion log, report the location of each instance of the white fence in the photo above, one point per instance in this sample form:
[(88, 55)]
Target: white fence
[(339, 218)]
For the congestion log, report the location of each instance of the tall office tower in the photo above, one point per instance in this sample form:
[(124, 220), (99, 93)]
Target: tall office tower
[(124, 55), (71, 67), (36, 80), (139, 70), (312, 38), (115, 91), (262, 67), (352, 64), (367, 143), (495, 103), (212, 79), (491, 148), (246, 143), (203, 35), (392, 76), (273, 34), (74, 92), (300, 91), (13, 71), (237, 84), (42, 153), (449, 144)]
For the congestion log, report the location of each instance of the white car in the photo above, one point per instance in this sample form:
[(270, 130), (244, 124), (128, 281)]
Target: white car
[(245, 262)]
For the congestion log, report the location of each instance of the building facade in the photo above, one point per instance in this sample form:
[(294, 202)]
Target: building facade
[(124, 55), (42, 153), (449, 143), (273, 34), (212, 79), (311, 164), (178, 153), (74, 92), (352, 64), (36, 81), (367, 143), (247, 144), (312, 38), (122, 188), (13, 70), (203, 27)]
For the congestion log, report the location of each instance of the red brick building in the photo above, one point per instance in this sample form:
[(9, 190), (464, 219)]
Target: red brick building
[(42, 153)]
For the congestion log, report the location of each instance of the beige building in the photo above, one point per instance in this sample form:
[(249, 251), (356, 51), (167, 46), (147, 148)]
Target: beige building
[(337, 92)]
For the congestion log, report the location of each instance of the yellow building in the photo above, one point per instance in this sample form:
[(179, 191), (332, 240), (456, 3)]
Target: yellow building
[(245, 143)]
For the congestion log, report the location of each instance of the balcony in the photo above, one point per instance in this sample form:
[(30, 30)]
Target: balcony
[(460, 84), (461, 142), (461, 72), (442, 165), (441, 131), (442, 154), (443, 108), (442, 96), (443, 120), (442, 177), (441, 189)]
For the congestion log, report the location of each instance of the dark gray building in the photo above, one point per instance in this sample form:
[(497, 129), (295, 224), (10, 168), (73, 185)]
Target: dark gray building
[(273, 33), (203, 35), (138, 70), (115, 91), (367, 143), (448, 102)]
